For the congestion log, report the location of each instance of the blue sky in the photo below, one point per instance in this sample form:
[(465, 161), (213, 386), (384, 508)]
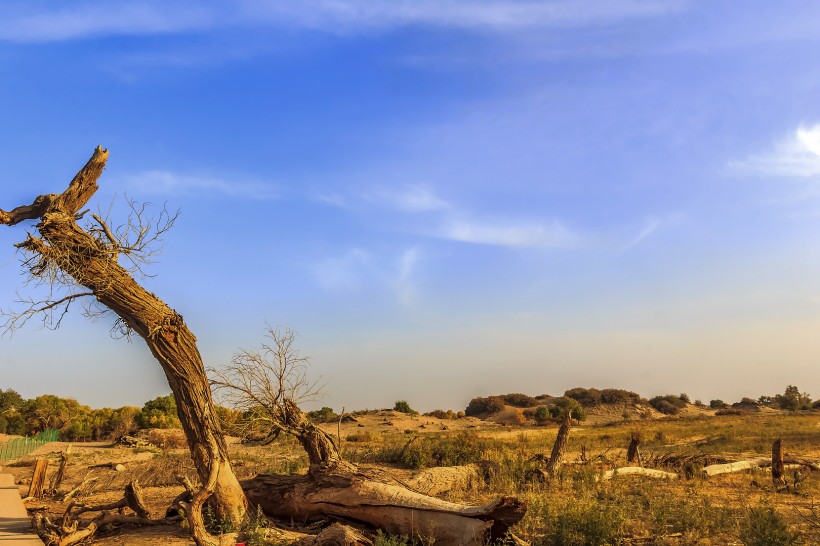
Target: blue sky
[(444, 199)]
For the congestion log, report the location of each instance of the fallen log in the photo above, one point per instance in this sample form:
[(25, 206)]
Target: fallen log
[(443, 479), (345, 494), (738, 466), (639, 471)]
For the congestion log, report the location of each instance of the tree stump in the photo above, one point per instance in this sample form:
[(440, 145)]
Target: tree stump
[(38, 479), (778, 469), (633, 453)]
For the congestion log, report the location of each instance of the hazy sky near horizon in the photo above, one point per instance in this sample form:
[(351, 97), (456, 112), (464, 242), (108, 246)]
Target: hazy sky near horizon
[(444, 199)]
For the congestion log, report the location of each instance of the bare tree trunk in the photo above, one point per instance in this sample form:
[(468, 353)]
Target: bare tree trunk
[(38, 479), (91, 264), (778, 469), (633, 453), (558, 447), (57, 478), (319, 446)]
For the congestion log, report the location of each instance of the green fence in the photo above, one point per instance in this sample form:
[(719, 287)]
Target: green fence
[(20, 447)]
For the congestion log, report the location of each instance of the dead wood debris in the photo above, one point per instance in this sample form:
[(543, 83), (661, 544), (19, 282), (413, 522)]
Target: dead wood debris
[(111, 516)]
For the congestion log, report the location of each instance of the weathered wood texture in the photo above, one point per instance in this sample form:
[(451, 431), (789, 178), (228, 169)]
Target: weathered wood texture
[(38, 479), (390, 507)]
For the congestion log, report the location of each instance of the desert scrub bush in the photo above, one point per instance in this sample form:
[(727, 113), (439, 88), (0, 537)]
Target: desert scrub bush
[(481, 406), (561, 406), (255, 529), (519, 400), (441, 414), (731, 411), (323, 415), (362, 436), (403, 407), (620, 396), (569, 520), (763, 526), (288, 466), (692, 515), (586, 397), (429, 450), (167, 438), (668, 405)]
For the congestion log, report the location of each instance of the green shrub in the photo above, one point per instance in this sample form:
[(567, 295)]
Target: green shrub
[(519, 400), (324, 415), (433, 450), (586, 397), (560, 407), (403, 407), (668, 405), (362, 436), (619, 396), (586, 524), (763, 526), (542, 414), (441, 414), (481, 406)]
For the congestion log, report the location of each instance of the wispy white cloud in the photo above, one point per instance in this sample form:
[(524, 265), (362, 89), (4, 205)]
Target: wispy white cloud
[(651, 225), (490, 14), (42, 21), (798, 155), (405, 280), (453, 223), (165, 182), (359, 269), (412, 198), (508, 234)]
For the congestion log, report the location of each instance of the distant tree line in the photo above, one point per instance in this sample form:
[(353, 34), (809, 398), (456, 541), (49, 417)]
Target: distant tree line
[(74, 421), (546, 407)]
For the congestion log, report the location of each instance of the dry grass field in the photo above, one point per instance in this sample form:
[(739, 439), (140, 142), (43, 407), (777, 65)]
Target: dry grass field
[(577, 507)]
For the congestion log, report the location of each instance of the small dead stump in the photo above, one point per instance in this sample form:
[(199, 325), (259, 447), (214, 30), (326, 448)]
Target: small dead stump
[(38, 479)]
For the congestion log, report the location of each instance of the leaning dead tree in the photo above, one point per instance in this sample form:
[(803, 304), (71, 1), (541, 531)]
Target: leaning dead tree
[(265, 385), (85, 263)]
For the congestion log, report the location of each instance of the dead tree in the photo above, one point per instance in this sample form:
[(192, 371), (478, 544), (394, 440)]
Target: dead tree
[(778, 468), (557, 454), (633, 453), (59, 475), (265, 384), (85, 263)]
